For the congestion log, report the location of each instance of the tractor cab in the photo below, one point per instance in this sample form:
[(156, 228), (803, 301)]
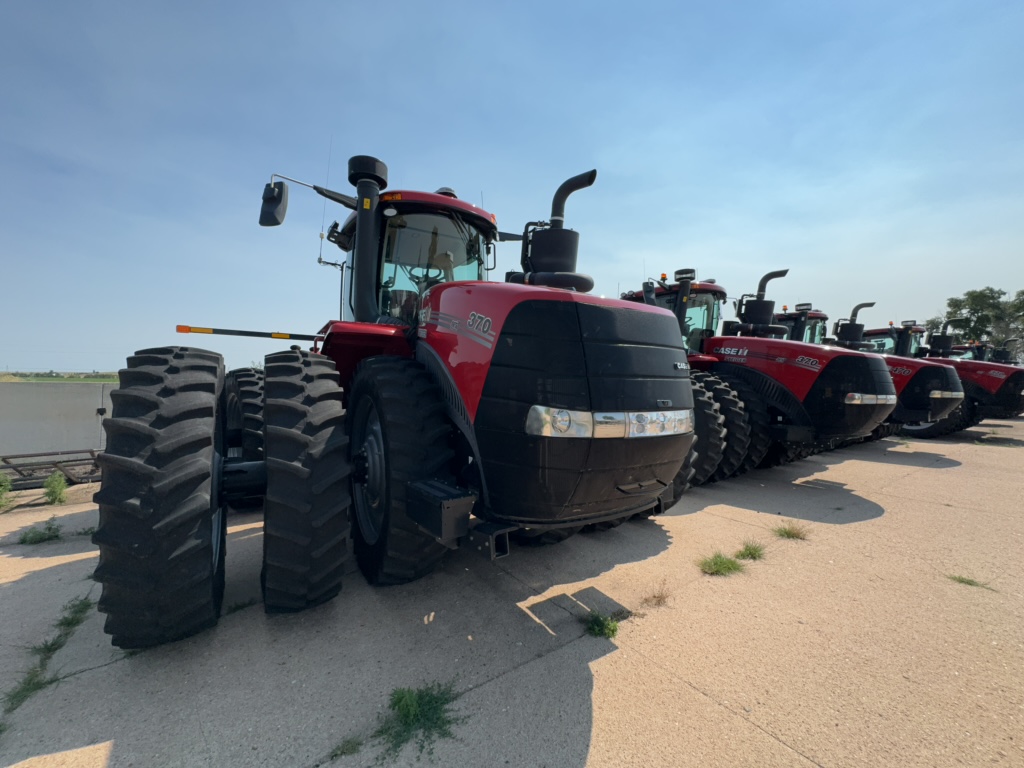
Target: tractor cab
[(905, 341), (804, 323), (426, 240), (699, 310)]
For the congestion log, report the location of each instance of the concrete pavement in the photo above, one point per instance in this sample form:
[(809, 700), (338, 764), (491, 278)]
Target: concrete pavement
[(852, 648)]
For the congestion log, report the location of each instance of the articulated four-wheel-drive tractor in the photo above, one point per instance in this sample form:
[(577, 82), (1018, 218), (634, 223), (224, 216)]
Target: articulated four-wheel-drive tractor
[(991, 390), (795, 396), (926, 390), (449, 411)]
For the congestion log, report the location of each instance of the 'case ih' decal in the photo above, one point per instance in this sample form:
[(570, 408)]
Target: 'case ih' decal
[(735, 351)]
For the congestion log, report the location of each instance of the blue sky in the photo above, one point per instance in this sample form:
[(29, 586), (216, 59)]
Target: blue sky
[(873, 148)]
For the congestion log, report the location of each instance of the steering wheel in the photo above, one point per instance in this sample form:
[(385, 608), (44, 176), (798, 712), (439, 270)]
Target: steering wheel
[(425, 277)]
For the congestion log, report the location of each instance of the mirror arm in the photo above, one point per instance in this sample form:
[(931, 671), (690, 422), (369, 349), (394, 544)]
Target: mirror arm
[(346, 200)]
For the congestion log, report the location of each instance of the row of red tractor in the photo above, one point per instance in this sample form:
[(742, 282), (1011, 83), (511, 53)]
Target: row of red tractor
[(767, 385), (443, 410)]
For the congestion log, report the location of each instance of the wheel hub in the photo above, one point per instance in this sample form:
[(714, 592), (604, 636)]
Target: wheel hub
[(370, 478)]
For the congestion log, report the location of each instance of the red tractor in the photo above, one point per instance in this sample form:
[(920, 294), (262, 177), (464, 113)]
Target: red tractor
[(927, 391), (447, 411), (804, 324), (985, 351), (991, 390), (795, 395)]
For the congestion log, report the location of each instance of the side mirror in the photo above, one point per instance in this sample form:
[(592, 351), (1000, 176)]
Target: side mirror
[(275, 204)]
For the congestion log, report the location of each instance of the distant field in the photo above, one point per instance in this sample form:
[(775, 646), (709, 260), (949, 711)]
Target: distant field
[(13, 378)]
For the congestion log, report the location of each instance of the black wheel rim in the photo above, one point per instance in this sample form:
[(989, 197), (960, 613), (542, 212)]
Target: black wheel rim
[(370, 491)]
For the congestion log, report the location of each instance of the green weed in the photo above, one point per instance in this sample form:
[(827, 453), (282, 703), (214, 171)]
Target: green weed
[(752, 550), (72, 615), (791, 531), (33, 682), (969, 582), (720, 565), (349, 746), (599, 625), (421, 715), (55, 488), (49, 532), (5, 490)]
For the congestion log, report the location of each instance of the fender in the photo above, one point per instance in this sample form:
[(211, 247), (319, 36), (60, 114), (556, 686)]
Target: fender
[(461, 322), (989, 377), (793, 364), (777, 396)]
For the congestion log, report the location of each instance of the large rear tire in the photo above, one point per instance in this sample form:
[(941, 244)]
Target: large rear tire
[(756, 408), (399, 434), (709, 426), (161, 531), (306, 521), (243, 390), (737, 425)]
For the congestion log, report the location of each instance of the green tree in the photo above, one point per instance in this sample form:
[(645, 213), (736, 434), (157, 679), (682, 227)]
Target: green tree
[(984, 315)]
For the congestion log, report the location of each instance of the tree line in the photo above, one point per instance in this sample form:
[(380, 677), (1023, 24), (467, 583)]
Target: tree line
[(985, 315)]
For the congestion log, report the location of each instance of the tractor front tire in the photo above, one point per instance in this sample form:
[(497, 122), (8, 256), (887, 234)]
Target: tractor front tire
[(306, 523), (161, 532), (399, 434)]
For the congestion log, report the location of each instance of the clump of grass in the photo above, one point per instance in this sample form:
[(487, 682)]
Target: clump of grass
[(752, 550), (55, 488), (658, 598), (349, 746), (86, 531), (417, 714), (5, 490), (969, 582), (720, 565), (29, 685), (599, 625), (72, 615), (49, 532), (791, 531)]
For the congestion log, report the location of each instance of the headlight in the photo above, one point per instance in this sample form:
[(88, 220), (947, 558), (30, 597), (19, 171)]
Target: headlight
[(945, 394), (856, 398), (560, 422)]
